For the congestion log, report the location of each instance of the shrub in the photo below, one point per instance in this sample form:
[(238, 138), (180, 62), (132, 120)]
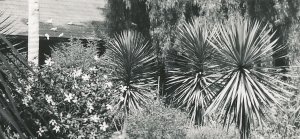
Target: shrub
[(72, 100), (212, 132), (157, 121), (74, 54)]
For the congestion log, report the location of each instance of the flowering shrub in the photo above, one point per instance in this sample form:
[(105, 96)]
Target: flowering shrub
[(73, 98)]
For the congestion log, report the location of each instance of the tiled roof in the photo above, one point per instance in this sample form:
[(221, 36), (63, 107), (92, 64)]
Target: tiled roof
[(73, 18)]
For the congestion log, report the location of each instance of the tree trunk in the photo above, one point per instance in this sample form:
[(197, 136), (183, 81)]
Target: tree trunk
[(33, 31)]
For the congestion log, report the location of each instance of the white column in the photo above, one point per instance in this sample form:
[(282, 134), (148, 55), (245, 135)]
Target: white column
[(33, 31)]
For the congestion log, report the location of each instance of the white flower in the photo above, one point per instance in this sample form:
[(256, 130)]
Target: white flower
[(93, 69), (31, 79), (86, 77), (123, 88), (49, 100), (28, 88), (25, 101), (48, 62), (96, 58), (29, 97), (41, 131), (19, 90), (69, 97), (75, 100), (56, 128), (77, 73), (109, 84), (52, 122), (103, 126), (95, 118), (109, 107), (122, 98), (90, 107), (105, 76), (68, 115)]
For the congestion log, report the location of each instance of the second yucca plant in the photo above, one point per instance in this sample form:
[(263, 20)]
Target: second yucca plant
[(191, 71)]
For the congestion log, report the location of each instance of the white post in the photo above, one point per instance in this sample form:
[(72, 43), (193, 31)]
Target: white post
[(33, 31)]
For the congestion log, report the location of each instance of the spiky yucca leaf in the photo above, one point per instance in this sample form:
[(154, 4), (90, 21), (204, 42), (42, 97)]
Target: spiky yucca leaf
[(134, 65), (191, 73), (248, 90), (8, 79)]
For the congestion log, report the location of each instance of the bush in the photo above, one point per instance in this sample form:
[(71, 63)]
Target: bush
[(73, 54), (157, 121), (73, 99), (212, 131)]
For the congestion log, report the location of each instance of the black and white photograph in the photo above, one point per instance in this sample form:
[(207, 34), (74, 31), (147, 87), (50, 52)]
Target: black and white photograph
[(149, 69)]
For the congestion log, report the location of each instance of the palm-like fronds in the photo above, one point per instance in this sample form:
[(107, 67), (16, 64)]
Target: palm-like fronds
[(191, 71), (134, 65), (6, 23), (248, 89), (9, 57), (8, 80)]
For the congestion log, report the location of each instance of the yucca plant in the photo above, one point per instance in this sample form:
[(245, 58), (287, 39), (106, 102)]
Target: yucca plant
[(133, 60), (9, 57), (191, 70), (250, 87)]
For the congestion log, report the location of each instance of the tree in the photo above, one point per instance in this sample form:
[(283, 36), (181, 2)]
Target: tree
[(33, 31), (281, 15), (124, 15)]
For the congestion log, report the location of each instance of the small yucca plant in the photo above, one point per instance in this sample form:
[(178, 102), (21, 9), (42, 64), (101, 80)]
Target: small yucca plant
[(133, 61), (191, 71), (249, 88)]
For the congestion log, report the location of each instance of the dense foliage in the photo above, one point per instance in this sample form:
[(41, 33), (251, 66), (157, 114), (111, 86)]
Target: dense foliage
[(76, 102), (158, 121)]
